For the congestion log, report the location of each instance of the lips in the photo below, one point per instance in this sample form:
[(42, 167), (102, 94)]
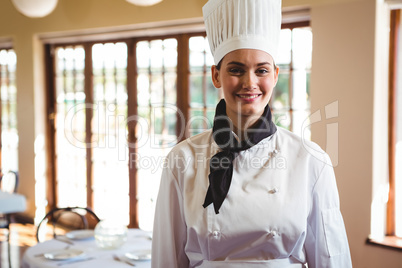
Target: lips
[(248, 96)]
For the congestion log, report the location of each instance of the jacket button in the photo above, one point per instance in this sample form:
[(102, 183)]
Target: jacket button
[(216, 234), (273, 190)]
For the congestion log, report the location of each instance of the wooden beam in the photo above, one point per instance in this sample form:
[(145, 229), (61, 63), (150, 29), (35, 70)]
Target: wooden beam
[(183, 86), (88, 89), (51, 182), (132, 113), (392, 119)]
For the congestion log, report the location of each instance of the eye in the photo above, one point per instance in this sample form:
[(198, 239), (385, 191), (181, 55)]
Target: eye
[(236, 71), (262, 71)]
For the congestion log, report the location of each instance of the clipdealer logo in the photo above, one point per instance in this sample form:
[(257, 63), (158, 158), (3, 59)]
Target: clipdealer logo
[(114, 129), (332, 138)]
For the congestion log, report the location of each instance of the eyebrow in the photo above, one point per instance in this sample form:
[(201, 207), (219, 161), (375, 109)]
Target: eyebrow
[(242, 64)]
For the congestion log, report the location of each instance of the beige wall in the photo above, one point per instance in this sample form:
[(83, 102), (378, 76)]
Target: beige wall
[(347, 67)]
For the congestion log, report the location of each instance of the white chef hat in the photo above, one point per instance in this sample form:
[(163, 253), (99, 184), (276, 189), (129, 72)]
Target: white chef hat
[(237, 24)]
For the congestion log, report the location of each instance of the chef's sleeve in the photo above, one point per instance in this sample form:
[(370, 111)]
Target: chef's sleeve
[(169, 232), (326, 242)]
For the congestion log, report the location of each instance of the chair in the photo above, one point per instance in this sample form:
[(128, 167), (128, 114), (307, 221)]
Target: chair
[(59, 221), (8, 184)]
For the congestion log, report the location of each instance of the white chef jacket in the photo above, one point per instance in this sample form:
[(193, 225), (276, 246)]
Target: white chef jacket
[(282, 208)]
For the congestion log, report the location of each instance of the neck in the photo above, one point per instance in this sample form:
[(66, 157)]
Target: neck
[(242, 123), (250, 129)]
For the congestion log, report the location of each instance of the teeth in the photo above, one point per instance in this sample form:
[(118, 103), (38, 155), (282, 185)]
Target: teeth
[(248, 96)]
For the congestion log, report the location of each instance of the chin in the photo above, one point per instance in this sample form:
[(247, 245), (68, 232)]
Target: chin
[(253, 109), (252, 112)]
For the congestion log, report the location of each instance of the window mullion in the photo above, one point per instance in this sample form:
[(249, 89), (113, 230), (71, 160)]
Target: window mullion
[(51, 192), (392, 121), (132, 112), (183, 87), (88, 119)]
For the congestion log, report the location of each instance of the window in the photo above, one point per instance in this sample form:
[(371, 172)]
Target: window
[(88, 125), (291, 98), (156, 101), (203, 94), (116, 109), (386, 220), (70, 96), (8, 111)]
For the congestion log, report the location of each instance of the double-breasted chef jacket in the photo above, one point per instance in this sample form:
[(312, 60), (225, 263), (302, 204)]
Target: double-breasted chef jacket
[(282, 209)]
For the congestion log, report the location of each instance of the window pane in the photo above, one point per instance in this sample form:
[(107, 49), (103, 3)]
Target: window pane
[(282, 118), (156, 129), (203, 95), (300, 95), (196, 90), (281, 92), (157, 89), (156, 47), (302, 47), (285, 46), (109, 132), (170, 87), (170, 53), (200, 120), (292, 92), (70, 126), (8, 91), (143, 55), (143, 92)]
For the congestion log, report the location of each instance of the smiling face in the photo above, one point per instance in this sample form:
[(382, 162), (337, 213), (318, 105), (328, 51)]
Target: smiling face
[(247, 78)]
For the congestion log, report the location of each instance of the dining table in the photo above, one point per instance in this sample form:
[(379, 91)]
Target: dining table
[(135, 252)]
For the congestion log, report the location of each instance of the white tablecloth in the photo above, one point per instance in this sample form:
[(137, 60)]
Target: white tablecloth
[(11, 203), (137, 240)]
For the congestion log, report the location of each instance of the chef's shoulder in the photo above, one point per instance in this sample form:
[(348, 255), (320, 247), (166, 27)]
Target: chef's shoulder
[(304, 149), (188, 149)]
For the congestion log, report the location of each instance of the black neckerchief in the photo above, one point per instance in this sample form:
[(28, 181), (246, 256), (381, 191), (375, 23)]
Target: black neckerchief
[(221, 165)]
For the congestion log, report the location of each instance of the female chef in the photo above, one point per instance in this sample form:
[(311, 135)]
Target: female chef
[(247, 193)]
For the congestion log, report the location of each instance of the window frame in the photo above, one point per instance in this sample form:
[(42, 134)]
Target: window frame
[(390, 240), (395, 23)]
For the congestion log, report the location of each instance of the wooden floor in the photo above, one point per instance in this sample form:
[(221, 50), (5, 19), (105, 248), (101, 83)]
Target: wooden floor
[(22, 236)]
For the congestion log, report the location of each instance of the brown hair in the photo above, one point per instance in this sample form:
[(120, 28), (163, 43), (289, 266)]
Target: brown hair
[(218, 66)]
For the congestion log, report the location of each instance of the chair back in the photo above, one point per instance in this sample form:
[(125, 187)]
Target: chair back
[(59, 221), (9, 182)]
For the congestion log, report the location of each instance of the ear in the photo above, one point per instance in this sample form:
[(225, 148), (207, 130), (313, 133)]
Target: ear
[(215, 77), (276, 74)]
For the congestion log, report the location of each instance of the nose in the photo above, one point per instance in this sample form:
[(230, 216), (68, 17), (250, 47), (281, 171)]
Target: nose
[(250, 81)]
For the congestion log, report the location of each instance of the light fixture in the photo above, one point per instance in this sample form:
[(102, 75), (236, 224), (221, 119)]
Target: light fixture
[(144, 2), (35, 8)]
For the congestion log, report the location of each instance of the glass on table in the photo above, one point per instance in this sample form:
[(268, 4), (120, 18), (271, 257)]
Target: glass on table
[(110, 234)]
